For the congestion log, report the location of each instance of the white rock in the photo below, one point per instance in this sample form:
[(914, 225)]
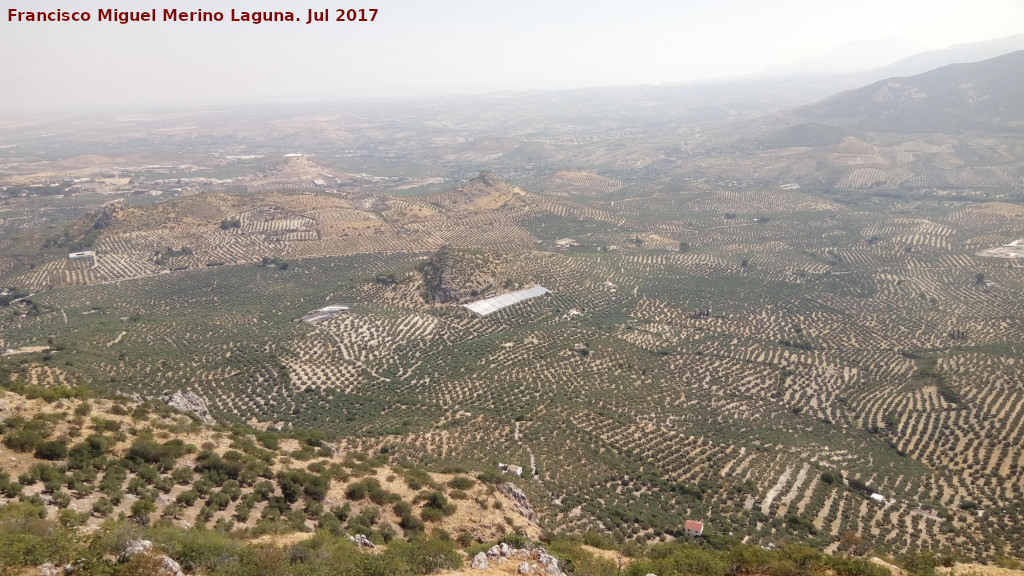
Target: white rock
[(524, 567), (480, 562), (190, 402), (49, 569), (170, 566), (136, 547), (361, 540)]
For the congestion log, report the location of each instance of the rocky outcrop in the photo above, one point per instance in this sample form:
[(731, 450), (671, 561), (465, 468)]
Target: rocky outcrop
[(531, 560), (519, 501), (168, 566), (135, 547), (896, 570), (454, 276), (480, 562), (49, 569), (190, 402), (361, 540)]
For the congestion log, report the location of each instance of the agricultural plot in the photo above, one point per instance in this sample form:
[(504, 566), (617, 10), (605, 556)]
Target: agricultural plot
[(567, 183), (651, 386), (759, 336)]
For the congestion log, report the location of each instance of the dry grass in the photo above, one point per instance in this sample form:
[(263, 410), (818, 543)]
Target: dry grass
[(964, 569)]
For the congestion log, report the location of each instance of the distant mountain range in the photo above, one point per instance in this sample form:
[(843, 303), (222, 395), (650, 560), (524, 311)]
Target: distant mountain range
[(852, 57), (867, 61), (956, 54), (987, 95)]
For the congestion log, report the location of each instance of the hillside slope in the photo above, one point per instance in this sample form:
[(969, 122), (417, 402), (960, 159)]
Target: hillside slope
[(87, 462), (985, 95)]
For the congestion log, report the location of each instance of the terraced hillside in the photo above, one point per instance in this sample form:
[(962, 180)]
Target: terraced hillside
[(785, 327), (94, 459), (763, 360)]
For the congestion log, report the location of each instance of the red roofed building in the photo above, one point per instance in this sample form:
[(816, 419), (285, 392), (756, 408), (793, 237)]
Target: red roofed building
[(694, 528)]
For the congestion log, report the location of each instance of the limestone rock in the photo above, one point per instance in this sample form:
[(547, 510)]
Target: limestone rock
[(190, 402), (533, 560), (361, 540), (520, 502), (480, 562), (169, 566), (896, 570), (546, 559), (49, 569), (136, 547)]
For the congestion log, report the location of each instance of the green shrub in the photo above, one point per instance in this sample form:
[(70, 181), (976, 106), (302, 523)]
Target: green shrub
[(197, 550), (597, 540), (436, 500), (429, 514), (515, 540), (490, 477), (411, 524), (425, 555), (218, 500), (342, 512), (461, 483), (846, 566), (70, 519), (23, 440), (187, 498), (263, 489), (171, 510), (61, 499), (918, 563), (355, 491), (27, 539)]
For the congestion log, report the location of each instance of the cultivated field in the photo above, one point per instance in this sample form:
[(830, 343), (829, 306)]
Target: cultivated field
[(756, 335)]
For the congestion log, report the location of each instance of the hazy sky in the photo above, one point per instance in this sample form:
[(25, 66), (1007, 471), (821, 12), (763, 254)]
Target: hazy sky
[(429, 47)]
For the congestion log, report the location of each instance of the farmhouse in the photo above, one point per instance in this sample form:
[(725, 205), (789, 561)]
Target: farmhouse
[(81, 255), (878, 498), (511, 469), (693, 528)]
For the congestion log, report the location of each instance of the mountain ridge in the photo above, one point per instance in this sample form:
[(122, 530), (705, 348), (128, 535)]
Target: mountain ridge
[(976, 96)]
